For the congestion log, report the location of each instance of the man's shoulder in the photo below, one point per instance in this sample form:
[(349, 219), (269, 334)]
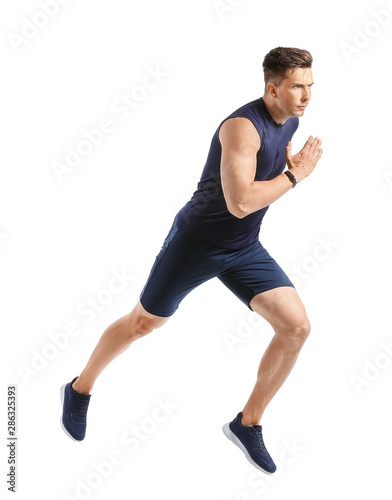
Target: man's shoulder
[(254, 106), (251, 110)]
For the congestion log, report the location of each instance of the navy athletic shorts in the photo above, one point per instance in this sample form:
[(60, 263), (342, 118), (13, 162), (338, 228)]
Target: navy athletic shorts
[(185, 263)]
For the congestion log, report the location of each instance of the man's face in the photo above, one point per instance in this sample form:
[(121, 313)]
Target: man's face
[(293, 94)]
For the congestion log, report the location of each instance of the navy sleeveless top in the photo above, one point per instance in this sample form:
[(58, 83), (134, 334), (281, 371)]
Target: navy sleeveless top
[(206, 217)]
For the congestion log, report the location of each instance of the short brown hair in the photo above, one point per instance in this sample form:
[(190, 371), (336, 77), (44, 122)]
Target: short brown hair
[(281, 59)]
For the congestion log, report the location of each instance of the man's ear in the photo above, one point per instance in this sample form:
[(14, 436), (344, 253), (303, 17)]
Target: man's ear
[(272, 90)]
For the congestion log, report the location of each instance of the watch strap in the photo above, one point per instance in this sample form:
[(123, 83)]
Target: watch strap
[(291, 176)]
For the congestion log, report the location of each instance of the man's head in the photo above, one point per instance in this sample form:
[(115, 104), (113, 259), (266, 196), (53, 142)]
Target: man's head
[(288, 80)]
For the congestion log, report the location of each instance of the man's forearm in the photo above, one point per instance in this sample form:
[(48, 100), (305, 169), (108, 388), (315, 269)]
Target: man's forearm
[(260, 194)]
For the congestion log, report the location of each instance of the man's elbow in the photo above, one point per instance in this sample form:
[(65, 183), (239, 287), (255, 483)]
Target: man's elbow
[(239, 210)]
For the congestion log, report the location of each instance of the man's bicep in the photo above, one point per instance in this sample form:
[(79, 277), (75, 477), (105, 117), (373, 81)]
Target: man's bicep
[(240, 142)]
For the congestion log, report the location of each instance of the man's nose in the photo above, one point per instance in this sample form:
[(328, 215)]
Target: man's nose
[(306, 95)]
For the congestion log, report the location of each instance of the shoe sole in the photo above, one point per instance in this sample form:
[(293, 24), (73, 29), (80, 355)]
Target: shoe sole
[(62, 390), (234, 439)]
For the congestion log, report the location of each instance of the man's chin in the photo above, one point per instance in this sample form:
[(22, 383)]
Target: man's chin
[(298, 112)]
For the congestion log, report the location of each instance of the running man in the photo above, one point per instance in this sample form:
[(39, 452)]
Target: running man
[(216, 234)]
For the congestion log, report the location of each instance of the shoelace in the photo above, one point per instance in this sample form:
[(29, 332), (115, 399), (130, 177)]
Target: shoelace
[(81, 408), (259, 435)]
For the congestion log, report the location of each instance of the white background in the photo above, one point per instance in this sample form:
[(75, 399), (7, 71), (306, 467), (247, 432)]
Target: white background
[(61, 240)]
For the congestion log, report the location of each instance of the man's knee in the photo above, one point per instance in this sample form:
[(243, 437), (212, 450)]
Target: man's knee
[(140, 323), (297, 332), (144, 325)]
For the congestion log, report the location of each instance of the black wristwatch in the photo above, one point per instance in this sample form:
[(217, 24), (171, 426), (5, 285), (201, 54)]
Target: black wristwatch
[(291, 176)]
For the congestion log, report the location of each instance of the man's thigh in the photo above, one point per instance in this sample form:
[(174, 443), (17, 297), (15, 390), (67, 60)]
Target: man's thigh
[(252, 271), (182, 265)]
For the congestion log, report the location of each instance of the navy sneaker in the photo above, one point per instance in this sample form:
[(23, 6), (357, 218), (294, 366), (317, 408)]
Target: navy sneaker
[(75, 405), (250, 441)]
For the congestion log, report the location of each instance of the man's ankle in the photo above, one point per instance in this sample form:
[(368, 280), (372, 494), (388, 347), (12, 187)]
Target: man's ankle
[(78, 387), (249, 421)]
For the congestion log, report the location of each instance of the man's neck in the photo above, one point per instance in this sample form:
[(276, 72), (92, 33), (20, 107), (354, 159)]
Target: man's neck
[(273, 110)]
